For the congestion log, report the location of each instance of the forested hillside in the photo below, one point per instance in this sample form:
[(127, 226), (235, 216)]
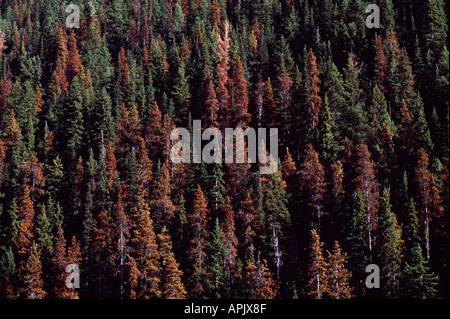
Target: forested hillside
[(86, 176)]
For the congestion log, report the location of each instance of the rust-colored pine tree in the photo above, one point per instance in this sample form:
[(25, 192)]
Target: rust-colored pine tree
[(258, 280), (145, 253), (381, 65), (223, 96), (215, 15), (124, 68), (290, 173), (317, 283), (313, 180), (224, 54), (198, 225), (111, 166), (171, 284), (74, 61), (2, 42), (270, 108), (11, 133), (313, 85), (6, 85), (162, 205), (337, 178), (428, 196), (153, 132), (366, 183), (73, 257), (240, 96), (211, 112), (32, 275), (338, 275), (59, 84), (25, 233)]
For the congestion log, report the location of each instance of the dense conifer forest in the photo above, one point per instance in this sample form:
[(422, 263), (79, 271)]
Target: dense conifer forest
[(86, 176)]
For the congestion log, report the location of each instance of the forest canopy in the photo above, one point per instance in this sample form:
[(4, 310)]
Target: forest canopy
[(86, 178)]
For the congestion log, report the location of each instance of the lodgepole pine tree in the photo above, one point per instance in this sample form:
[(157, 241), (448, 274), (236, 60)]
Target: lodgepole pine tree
[(59, 85), (250, 221), (388, 248), (317, 283), (313, 180), (74, 65), (102, 249), (418, 280), (122, 232), (428, 194), (313, 83), (269, 106), (163, 207), (58, 265), (198, 225), (222, 68), (211, 112), (240, 115), (144, 250), (230, 241), (366, 183), (25, 233), (33, 276), (337, 274), (216, 272), (171, 285), (381, 65), (258, 280), (73, 257), (153, 132)]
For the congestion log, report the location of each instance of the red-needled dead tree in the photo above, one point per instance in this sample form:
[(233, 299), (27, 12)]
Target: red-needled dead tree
[(428, 196), (366, 183), (145, 254), (198, 225), (32, 275), (317, 283), (171, 284), (74, 61), (222, 68), (25, 233), (337, 274), (313, 180), (381, 65), (162, 206), (240, 113), (211, 110), (313, 85)]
